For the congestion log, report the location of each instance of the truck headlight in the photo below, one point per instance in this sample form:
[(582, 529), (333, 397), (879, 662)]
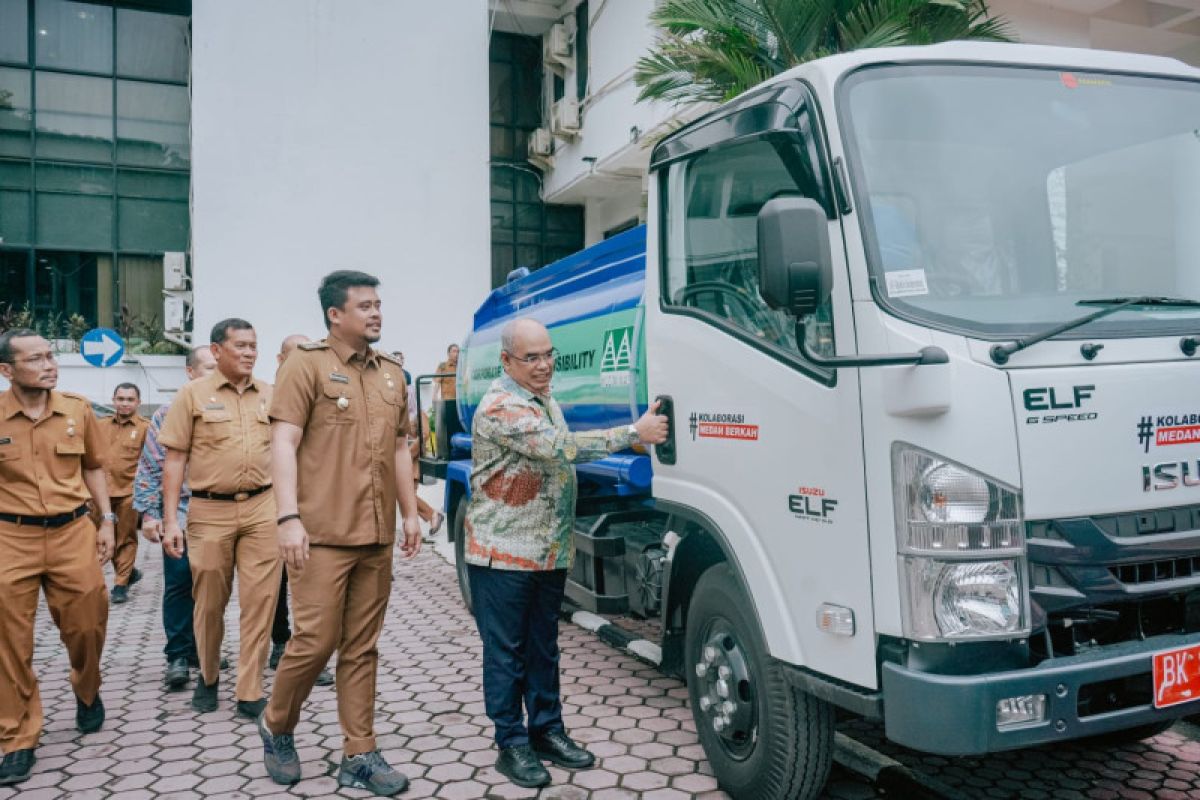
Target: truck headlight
[(961, 545)]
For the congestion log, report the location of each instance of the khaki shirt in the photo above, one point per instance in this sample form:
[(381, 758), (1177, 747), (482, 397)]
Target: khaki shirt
[(447, 386), (227, 435), (125, 440), (42, 462), (353, 411)]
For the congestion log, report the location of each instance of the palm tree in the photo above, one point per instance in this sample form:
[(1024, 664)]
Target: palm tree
[(713, 50)]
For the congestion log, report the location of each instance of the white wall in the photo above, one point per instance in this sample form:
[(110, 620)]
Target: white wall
[(340, 134), (158, 377)]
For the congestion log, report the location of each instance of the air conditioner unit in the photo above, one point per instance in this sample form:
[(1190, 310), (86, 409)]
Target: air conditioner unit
[(558, 47), (174, 271), (564, 117), (541, 143)]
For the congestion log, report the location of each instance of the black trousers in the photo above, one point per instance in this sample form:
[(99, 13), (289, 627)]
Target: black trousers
[(517, 615)]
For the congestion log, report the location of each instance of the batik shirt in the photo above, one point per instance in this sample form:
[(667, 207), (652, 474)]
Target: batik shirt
[(522, 505), (147, 485)]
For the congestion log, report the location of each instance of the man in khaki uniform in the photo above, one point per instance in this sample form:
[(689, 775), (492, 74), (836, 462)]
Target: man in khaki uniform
[(125, 431), (51, 452), (340, 462), (219, 430)]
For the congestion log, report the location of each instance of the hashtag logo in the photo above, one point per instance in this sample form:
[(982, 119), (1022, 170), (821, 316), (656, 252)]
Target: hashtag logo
[(1145, 432), (692, 425)]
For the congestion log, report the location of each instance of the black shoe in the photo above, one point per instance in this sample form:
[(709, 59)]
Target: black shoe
[(118, 595), (251, 709), (369, 771), (557, 747), (194, 663), (135, 576), (89, 718), (16, 766), (522, 767), (224, 663), (325, 678), (178, 674), (276, 654), (204, 697), (279, 755)]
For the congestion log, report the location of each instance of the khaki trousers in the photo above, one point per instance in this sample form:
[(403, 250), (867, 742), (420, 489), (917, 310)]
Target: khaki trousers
[(62, 563), (338, 601), (125, 537), (224, 535)]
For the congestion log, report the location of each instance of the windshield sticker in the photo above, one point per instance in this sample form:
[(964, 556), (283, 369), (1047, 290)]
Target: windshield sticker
[(809, 504), (721, 426), (906, 283), (1073, 81), (1167, 429)]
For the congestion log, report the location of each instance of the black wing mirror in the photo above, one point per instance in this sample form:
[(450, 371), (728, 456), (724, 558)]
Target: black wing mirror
[(795, 269)]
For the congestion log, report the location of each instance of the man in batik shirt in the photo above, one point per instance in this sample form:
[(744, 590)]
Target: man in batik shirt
[(518, 546)]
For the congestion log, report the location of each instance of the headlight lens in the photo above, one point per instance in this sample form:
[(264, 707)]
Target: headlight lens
[(963, 599), (947, 493)]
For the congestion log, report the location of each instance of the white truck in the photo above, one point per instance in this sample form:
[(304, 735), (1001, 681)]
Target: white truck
[(926, 322)]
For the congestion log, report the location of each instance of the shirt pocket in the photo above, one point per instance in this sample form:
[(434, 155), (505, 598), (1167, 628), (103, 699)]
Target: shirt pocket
[(392, 406), (216, 427), (333, 409), (10, 461), (262, 428), (68, 459)]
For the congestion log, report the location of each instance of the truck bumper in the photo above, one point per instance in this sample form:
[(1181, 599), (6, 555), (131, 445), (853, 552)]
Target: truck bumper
[(956, 714)]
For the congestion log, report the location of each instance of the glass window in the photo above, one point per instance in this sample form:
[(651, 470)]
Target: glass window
[(14, 31), (16, 114), (74, 221), (152, 226), (64, 284), (74, 117), (14, 282), (140, 279), (152, 185), (77, 36), (153, 46), (14, 217), (74, 178), (712, 246), (152, 125)]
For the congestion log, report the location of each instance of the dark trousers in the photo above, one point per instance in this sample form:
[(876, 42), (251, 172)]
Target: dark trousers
[(177, 608), (517, 615), (280, 630)]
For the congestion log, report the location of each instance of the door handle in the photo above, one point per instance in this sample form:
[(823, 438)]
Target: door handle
[(666, 450)]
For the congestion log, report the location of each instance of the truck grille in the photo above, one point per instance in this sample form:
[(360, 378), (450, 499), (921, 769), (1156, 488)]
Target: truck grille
[(1169, 569)]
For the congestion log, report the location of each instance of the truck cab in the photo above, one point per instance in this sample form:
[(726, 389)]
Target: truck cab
[(925, 321)]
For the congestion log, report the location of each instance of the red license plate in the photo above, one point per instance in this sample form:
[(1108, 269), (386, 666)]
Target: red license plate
[(1177, 676)]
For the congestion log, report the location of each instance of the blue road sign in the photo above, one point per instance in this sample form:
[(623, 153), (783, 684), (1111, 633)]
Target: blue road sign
[(102, 347)]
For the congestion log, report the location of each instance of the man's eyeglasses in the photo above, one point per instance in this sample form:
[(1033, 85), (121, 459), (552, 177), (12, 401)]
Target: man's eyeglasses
[(534, 358)]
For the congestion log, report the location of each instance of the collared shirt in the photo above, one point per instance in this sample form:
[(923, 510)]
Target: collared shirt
[(226, 434), (447, 386), (42, 462), (125, 439), (352, 409), (522, 505), (147, 485)]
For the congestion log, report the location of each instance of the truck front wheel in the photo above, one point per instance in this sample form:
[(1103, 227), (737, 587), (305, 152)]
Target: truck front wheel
[(764, 738), (460, 549)]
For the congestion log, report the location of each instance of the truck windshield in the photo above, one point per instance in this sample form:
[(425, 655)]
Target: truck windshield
[(993, 199)]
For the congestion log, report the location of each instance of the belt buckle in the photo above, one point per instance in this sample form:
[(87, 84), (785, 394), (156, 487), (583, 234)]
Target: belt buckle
[(240, 496)]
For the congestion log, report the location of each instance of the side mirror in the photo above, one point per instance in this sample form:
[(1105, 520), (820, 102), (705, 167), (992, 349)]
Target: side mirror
[(795, 269)]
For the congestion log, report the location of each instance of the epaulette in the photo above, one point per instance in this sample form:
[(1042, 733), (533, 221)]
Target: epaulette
[(313, 346), (76, 396), (390, 357)]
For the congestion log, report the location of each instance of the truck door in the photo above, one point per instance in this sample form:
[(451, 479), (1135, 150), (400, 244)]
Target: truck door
[(767, 445)]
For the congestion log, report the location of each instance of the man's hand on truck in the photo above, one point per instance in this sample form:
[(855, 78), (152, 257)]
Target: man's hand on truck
[(652, 426)]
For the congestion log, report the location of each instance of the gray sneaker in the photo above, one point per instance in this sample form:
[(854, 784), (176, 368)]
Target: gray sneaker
[(279, 755), (369, 771)]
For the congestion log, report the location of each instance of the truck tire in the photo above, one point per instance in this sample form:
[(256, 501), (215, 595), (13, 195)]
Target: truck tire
[(460, 546), (765, 739)]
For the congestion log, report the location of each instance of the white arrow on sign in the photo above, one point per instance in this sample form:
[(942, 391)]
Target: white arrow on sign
[(106, 347)]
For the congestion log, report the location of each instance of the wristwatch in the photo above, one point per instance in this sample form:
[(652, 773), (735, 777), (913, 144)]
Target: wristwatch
[(109, 517), (633, 434)]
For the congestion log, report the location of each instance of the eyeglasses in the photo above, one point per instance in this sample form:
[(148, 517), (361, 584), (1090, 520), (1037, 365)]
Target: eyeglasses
[(535, 358)]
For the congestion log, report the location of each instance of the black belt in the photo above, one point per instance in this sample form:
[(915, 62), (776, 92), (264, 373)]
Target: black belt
[(55, 521), (236, 496)]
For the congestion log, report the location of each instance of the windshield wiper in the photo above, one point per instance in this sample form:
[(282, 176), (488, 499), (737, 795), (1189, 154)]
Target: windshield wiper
[(1001, 352)]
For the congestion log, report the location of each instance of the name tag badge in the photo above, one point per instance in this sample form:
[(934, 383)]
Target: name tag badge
[(214, 407), (339, 377)]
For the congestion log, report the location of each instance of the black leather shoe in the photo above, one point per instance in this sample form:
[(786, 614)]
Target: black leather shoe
[(369, 771), (204, 697), (89, 718), (135, 576), (118, 595), (276, 654), (557, 747), (251, 709), (178, 674), (522, 767), (16, 766), (325, 678)]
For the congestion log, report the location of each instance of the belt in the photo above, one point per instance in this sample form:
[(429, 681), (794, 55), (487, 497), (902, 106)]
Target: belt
[(54, 521), (236, 496)]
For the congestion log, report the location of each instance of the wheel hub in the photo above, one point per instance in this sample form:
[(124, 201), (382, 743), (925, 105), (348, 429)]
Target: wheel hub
[(725, 689)]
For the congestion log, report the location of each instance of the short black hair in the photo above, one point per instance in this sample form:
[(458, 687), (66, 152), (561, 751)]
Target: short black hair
[(128, 385), (332, 292), (220, 331), (191, 356), (6, 339)]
